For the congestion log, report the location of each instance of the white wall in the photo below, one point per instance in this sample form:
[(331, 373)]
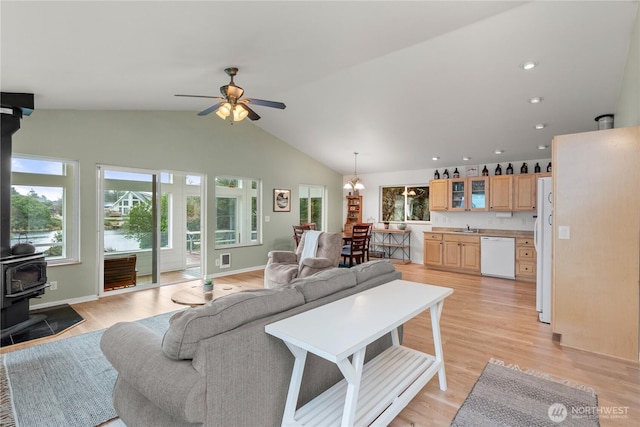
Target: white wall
[(485, 220)]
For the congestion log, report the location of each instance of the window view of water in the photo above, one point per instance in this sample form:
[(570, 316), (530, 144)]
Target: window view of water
[(114, 240)]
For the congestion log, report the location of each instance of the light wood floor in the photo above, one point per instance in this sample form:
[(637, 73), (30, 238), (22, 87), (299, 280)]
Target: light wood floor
[(484, 318)]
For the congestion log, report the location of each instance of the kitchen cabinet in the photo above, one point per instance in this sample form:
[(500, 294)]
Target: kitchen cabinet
[(525, 189), (456, 252), (457, 194), (354, 212), (432, 249), (451, 254), (524, 192), (526, 264), (497, 193), (470, 256), (438, 194), (469, 194), (501, 194)]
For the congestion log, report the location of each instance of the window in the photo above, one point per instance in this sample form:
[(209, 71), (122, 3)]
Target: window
[(128, 211), (44, 206), (238, 210), (405, 203), (312, 205)]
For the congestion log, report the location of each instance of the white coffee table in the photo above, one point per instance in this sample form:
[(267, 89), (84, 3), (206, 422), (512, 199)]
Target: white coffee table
[(376, 392)]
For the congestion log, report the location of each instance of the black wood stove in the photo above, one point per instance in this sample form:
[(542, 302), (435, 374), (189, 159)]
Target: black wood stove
[(23, 276)]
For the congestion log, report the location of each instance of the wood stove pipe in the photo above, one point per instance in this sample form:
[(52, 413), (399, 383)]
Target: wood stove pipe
[(13, 107)]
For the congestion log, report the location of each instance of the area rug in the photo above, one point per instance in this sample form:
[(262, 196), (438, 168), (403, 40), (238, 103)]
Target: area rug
[(61, 383), (509, 396), (58, 319)]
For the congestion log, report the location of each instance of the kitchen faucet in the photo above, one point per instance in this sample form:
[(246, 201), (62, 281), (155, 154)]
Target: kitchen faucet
[(468, 229)]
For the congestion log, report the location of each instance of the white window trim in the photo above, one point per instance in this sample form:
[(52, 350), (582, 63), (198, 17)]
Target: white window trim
[(70, 205)]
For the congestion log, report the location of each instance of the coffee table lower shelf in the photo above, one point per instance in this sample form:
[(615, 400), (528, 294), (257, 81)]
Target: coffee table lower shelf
[(388, 384)]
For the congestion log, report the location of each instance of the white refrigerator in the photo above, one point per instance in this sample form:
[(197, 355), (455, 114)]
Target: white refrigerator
[(542, 240)]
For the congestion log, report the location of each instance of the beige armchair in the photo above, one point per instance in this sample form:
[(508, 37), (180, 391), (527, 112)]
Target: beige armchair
[(284, 266)]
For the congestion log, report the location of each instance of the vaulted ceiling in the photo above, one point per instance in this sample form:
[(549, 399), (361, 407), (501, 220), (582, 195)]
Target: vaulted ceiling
[(399, 82)]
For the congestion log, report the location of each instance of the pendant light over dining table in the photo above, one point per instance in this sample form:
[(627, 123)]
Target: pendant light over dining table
[(354, 183)]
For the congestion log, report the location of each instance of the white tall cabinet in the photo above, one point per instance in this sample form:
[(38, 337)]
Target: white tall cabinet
[(596, 241)]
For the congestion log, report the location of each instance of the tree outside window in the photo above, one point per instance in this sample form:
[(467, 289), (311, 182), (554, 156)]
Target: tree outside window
[(405, 203), (44, 206), (312, 205), (139, 223)]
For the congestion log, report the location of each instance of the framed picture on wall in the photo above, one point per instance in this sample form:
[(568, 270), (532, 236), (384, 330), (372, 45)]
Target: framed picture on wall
[(281, 200)]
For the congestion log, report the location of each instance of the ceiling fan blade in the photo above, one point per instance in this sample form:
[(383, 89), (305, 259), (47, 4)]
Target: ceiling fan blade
[(264, 103), (210, 109), (202, 96), (252, 114)]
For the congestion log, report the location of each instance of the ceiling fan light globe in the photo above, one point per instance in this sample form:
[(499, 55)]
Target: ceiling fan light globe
[(239, 113), (224, 111), (219, 114)]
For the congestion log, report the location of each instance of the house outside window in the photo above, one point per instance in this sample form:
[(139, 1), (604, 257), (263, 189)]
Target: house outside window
[(44, 206), (405, 203)]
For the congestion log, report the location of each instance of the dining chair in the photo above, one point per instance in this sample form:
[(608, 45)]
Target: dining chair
[(311, 225), (298, 230), (355, 250), (366, 248)]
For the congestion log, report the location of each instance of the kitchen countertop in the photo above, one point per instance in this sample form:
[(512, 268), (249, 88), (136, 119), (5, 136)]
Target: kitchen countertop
[(483, 232)]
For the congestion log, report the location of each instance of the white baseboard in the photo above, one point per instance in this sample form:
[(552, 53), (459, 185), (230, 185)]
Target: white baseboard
[(242, 270)]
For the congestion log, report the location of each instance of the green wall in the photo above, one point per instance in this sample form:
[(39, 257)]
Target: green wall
[(628, 104), (173, 141)]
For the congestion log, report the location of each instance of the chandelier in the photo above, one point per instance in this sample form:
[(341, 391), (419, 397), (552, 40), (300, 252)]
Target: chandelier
[(354, 183)]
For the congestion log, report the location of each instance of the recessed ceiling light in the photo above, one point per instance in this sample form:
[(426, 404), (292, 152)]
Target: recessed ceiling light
[(528, 65), (541, 126), (435, 158), (498, 151), (542, 147), (535, 100), (465, 158)]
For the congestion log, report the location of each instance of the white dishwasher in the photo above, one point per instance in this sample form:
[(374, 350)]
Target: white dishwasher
[(498, 257)]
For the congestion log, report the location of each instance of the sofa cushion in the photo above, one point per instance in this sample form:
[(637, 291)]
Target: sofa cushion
[(187, 328), (135, 352), (372, 269), (325, 283), (280, 274)]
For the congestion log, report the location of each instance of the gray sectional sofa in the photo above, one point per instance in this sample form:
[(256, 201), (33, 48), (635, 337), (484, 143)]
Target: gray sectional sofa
[(216, 366)]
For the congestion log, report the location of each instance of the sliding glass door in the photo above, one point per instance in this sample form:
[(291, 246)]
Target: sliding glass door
[(150, 228), (129, 231)]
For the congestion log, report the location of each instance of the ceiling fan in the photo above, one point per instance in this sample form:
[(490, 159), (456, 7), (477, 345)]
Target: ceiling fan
[(232, 104)]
